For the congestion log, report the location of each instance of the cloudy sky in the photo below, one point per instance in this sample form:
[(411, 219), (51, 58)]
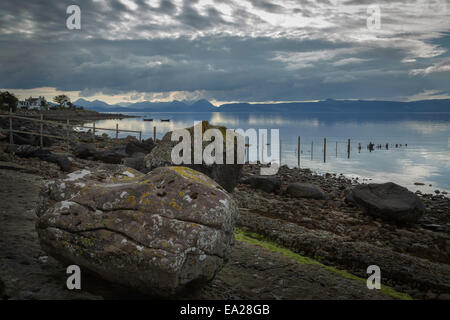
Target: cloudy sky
[(234, 50)]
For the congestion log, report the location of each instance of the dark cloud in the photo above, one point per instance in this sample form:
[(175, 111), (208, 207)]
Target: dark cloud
[(226, 51)]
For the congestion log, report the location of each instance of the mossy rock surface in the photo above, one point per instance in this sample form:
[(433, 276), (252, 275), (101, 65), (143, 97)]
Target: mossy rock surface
[(158, 233)]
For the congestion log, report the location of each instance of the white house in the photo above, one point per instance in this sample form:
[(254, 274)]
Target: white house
[(32, 103)]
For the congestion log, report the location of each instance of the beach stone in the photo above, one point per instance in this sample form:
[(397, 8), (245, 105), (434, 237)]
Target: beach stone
[(388, 201), (85, 150), (227, 175), (28, 151), (135, 162), (134, 147), (266, 184), (305, 190), (111, 156), (160, 233)]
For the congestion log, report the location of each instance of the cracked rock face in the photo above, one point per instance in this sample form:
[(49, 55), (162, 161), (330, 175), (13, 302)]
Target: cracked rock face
[(158, 233)]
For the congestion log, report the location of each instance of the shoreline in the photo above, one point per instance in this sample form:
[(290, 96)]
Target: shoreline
[(332, 231), (73, 115)]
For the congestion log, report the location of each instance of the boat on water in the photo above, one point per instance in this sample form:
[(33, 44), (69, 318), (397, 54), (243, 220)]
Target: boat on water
[(165, 120), (148, 119)]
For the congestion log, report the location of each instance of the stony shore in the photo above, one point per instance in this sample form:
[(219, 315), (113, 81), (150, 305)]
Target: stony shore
[(78, 116), (287, 248)]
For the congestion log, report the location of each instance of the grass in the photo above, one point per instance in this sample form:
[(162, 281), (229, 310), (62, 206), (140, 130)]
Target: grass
[(258, 240)]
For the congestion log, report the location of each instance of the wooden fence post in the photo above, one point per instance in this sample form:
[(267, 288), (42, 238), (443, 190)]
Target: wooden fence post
[(298, 151), (11, 138), (41, 140), (324, 150), (117, 133)]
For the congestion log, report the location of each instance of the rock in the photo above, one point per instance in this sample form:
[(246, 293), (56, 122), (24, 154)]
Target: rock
[(22, 139), (389, 201), (112, 156), (84, 151), (2, 289), (28, 151), (134, 147), (159, 233), (419, 184), (227, 175), (305, 190), (266, 184), (4, 156), (136, 162), (22, 150)]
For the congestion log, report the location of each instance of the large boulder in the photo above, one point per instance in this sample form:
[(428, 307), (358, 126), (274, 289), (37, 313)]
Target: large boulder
[(305, 190), (266, 184), (227, 175), (388, 201), (159, 233)]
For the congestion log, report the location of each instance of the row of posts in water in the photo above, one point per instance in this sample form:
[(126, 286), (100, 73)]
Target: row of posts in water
[(370, 147)]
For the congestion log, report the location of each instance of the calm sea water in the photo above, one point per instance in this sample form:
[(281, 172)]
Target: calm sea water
[(422, 153)]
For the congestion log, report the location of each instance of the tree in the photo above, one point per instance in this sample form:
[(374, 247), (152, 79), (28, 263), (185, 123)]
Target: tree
[(43, 103), (61, 99), (8, 101)]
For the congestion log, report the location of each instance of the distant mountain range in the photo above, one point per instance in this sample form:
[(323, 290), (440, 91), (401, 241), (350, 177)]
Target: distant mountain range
[(328, 106), (147, 106)]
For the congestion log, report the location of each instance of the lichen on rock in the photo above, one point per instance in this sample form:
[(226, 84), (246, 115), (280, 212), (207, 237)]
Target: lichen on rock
[(158, 233)]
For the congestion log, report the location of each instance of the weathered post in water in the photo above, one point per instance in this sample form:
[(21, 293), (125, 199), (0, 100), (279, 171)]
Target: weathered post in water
[(336, 148), (348, 149), (117, 133), (154, 134), (312, 149), (324, 150), (298, 151)]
